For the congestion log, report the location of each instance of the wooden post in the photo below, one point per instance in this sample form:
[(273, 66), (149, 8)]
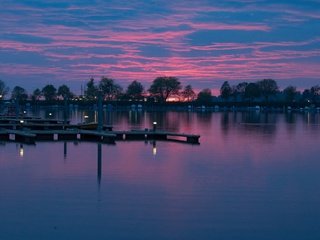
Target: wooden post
[(193, 139)]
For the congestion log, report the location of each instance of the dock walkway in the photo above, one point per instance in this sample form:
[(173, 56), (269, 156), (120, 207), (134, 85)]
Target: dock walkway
[(29, 131), (156, 135)]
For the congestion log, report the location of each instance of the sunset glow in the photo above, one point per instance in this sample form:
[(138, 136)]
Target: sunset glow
[(203, 43)]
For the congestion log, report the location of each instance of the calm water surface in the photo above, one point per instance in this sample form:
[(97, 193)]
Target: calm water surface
[(254, 176)]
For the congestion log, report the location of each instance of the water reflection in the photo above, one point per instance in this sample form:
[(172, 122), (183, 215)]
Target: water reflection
[(65, 150), (172, 120), (217, 190), (165, 120), (290, 117), (291, 120), (311, 118), (225, 122), (135, 117), (99, 165), (204, 118), (21, 150), (108, 118), (255, 123)]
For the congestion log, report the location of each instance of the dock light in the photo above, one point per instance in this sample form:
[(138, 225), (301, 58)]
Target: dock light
[(86, 116), (24, 112), (21, 121), (50, 114), (154, 126)]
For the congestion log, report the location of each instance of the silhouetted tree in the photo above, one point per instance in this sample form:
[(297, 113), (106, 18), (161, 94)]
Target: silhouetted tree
[(49, 92), (19, 94), (36, 94), (268, 87), (135, 90), (3, 89), (240, 89), (290, 93), (204, 96), (234, 93), (91, 90), (188, 93), (315, 93), (165, 87), (306, 95), (109, 88), (252, 91), (65, 92), (225, 91)]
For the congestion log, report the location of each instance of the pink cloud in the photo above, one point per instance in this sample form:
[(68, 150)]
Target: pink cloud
[(72, 53), (223, 26)]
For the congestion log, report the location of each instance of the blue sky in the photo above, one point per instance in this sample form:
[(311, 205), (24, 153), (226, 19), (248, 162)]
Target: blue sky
[(203, 43)]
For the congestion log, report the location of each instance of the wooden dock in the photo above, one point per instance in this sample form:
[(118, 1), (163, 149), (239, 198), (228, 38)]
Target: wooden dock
[(156, 135), (18, 136), (31, 136), (32, 130), (46, 124)]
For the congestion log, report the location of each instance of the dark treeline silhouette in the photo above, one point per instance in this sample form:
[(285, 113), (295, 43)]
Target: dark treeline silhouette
[(266, 92), (169, 89)]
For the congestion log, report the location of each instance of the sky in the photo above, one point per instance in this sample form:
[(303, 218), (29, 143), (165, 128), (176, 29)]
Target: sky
[(202, 42)]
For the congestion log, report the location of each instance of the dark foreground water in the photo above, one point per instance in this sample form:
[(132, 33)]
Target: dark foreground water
[(254, 176)]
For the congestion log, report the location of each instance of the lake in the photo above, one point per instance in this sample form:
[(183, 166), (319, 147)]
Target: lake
[(253, 176)]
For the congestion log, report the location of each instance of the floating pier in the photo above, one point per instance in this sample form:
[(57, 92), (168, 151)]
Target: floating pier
[(18, 136), (32, 130), (156, 135)]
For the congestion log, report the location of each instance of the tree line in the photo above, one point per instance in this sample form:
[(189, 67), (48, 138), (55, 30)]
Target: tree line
[(267, 91), (163, 89)]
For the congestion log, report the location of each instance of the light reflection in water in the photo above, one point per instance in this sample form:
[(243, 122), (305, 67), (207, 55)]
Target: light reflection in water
[(21, 151), (65, 150), (99, 164), (154, 148)]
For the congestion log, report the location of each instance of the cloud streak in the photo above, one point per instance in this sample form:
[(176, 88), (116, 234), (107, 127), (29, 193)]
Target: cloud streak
[(202, 45)]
